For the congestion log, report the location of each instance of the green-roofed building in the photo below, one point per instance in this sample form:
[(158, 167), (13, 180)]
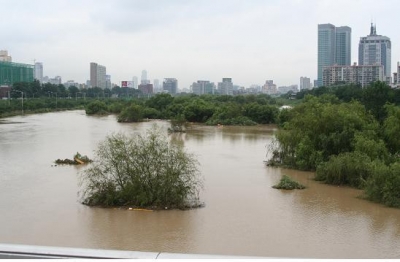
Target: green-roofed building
[(11, 73)]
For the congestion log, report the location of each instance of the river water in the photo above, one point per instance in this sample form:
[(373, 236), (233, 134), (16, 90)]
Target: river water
[(243, 215)]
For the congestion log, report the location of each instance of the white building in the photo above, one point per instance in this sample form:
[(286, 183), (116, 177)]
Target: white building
[(269, 88), (38, 71), (225, 87), (71, 83), (286, 89), (203, 87), (143, 80), (135, 82), (98, 76), (305, 83), (355, 74), (375, 49), (4, 57)]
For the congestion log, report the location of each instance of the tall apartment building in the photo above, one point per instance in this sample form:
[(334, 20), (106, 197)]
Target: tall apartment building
[(203, 87), (375, 49), (334, 47), (269, 88), (170, 85), (305, 83), (11, 73), (225, 87), (356, 74), (156, 85), (135, 82), (4, 57), (98, 75), (146, 88), (144, 79), (38, 71), (396, 76)]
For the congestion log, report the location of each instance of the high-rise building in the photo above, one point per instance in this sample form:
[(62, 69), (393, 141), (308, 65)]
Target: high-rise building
[(98, 75), (305, 83), (170, 85), (143, 80), (396, 76), (108, 81), (225, 87), (398, 72), (135, 82), (334, 47), (356, 74), (4, 56), (11, 73), (269, 88), (38, 71), (156, 85), (146, 88), (343, 45), (375, 49), (203, 87)]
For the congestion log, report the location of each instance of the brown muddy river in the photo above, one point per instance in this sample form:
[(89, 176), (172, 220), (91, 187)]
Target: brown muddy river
[(243, 215)]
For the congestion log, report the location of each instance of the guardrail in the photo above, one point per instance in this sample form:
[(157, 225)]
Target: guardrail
[(10, 251)]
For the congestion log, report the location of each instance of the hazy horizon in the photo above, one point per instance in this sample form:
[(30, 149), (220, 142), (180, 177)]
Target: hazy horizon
[(248, 41)]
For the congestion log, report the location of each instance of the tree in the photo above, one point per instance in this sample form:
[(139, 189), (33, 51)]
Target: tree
[(321, 127), (96, 107), (133, 113), (143, 171)]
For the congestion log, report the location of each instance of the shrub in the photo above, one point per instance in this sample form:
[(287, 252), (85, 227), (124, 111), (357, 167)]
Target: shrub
[(96, 107), (141, 170), (345, 169), (133, 113), (288, 184), (383, 186)]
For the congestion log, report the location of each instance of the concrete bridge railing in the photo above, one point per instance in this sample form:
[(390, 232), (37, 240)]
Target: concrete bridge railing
[(10, 251)]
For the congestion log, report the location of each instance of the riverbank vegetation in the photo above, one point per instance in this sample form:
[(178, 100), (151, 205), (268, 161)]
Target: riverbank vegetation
[(349, 136), (142, 171), (207, 109), (131, 106)]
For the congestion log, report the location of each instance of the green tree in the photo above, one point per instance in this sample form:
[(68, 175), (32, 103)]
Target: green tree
[(384, 183), (319, 128), (96, 107), (375, 96), (142, 170), (391, 128), (133, 113)]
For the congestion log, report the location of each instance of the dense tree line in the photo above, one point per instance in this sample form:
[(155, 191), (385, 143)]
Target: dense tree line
[(212, 110), (349, 136)]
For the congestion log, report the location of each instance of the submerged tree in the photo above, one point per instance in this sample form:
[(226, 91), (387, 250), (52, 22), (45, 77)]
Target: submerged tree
[(144, 171)]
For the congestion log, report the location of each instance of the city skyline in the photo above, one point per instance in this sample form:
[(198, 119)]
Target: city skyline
[(248, 41)]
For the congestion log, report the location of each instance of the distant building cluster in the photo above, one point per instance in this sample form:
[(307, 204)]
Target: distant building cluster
[(334, 67), (334, 53)]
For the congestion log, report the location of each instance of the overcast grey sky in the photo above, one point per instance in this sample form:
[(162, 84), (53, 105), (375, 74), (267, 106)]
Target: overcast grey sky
[(248, 40)]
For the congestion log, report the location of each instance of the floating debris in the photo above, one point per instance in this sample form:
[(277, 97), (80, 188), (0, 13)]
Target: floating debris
[(77, 160)]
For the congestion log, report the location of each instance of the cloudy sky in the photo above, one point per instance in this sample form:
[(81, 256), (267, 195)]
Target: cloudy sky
[(248, 40)]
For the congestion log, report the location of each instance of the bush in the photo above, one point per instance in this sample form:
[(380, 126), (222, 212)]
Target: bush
[(133, 113), (345, 169), (288, 184), (143, 171), (383, 186), (96, 107)]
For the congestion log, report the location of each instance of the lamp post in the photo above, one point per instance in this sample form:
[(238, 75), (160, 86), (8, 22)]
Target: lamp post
[(56, 97), (22, 96)]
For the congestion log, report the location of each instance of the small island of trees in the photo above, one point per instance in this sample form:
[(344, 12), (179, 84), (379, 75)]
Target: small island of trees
[(142, 171)]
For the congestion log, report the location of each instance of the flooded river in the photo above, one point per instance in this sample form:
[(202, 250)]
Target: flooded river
[(243, 215)]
